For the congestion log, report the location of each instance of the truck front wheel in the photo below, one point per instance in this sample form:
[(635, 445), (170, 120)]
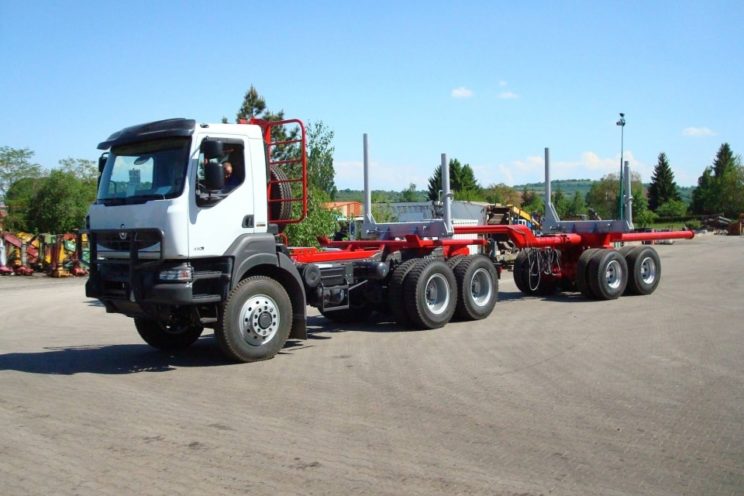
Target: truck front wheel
[(255, 321), (167, 337)]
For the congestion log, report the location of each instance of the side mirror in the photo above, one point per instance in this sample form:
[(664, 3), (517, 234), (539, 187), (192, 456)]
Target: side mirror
[(214, 177), (212, 148), (102, 161)]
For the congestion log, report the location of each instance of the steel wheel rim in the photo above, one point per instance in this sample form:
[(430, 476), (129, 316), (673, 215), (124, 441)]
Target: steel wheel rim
[(259, 320), (437, 294), (481, 287), (614, 274), (648, 270)]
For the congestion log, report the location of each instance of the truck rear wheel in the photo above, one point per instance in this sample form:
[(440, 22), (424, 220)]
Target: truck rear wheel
[(255, 321), (477, 288), (607, 274), (167, 337), (644, 270), (582, 273), (430, 294), (395, 292)]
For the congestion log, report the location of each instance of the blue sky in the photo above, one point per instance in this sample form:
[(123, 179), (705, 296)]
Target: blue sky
[(489, 83)]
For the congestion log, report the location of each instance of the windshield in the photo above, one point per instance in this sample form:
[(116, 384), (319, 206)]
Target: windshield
[(145, 171)]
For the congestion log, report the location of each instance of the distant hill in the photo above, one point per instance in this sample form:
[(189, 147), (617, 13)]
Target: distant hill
[(567, 186)]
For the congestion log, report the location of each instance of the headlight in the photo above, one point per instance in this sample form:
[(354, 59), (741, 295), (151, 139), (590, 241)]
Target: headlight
[(180, 273)]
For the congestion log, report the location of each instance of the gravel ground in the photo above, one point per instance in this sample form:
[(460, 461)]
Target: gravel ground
[(559, 395)]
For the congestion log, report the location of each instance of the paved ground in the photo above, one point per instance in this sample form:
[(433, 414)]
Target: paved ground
[(643, 395)]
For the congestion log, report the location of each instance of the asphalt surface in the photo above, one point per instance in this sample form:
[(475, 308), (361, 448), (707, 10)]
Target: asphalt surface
[(564, 396)]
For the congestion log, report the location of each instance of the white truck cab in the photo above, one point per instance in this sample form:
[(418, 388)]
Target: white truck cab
[(172, 236)]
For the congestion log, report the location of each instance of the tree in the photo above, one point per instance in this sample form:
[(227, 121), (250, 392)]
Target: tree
[(462, 182), (254, 105), (560, 203), (15, 164), (409, 194), (721, 186), (503, 194), (672, 209), (19, 197), (61, 203), (320, 221), (602, 196), (576, 206), (86, 170), (320, 158), (663, 188)]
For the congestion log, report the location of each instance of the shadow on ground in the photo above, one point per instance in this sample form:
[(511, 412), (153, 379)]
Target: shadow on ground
[(113, 359)]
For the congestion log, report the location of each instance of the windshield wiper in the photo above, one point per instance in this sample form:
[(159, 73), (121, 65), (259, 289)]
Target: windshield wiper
[(127, 200)]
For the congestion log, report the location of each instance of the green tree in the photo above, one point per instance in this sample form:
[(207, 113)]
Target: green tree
[(560, 203), (462, 182), (534, 205), (602, 196), (18, 199), (662, 188), (503, 194), (320, 221), (254, 105), (61, 203), (409, 194), (320, 150), (15, 164), (576, 206), (721, 186), (671, 209), (86, 170)]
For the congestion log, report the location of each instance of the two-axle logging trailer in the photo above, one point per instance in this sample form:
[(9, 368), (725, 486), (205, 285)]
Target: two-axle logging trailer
[(179, 247)]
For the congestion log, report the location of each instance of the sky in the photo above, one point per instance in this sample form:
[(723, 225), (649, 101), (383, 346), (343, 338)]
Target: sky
[(490, 83)]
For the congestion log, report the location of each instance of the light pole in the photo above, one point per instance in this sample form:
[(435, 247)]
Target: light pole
[(621, 123)]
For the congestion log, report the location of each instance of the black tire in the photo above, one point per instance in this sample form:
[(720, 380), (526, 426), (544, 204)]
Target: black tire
[(280, 210), (256, 320), (607, 274), (522, 272), (359, 311), (430, 294), (167, 337), (477, 287), (455, 261), (395, 291), (644, 270), (582, 279)]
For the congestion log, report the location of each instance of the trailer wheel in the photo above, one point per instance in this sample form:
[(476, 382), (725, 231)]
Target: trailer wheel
[(582, 273), (477, 287), (395, 291), (255, 321), (430, 294), (644, 270), (453, 262), (167, 337), (522, 272), (608, 274)]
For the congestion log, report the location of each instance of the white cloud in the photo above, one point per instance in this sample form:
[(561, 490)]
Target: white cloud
[(508, 95), (697, 132), (462, 92), (589, 165), (350, 174), (503, 84)]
